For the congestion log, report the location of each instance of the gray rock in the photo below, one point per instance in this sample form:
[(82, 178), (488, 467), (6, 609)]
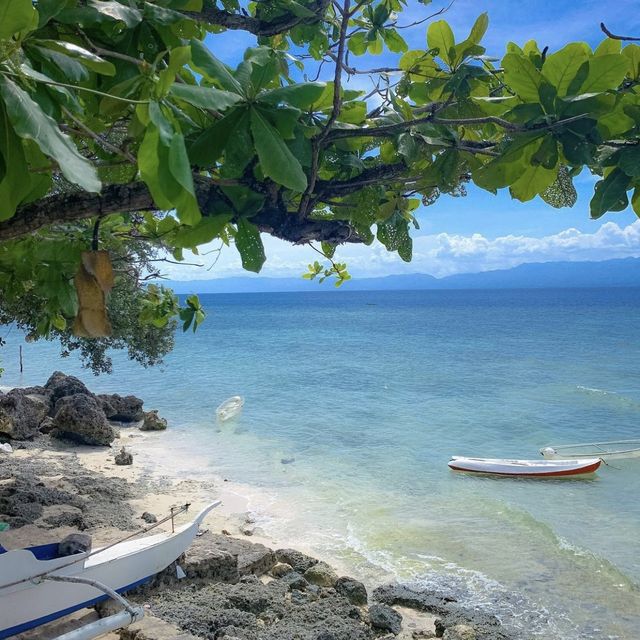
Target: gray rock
[(252, 557), (47, 426), (281, 569), (459, 632), (151, 628), (321, 574), (60, 385), (153, 422), (299, 561), (450, 612), (21, 414), (294, 581), (385, 618), (419, 599), (121, 408), (123, 457), (74, 543), (149, 517), (80, 418), (352, 589)]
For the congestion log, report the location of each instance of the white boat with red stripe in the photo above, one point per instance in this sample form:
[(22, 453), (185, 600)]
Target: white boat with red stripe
[(525, 468)]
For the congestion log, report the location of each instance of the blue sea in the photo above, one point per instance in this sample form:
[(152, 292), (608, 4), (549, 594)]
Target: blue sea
[(370, 393)]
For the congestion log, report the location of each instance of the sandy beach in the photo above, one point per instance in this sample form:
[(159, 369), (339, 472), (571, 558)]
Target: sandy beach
[(145, 488)]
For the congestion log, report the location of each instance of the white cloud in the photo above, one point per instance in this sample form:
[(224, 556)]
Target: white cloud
[(439, 255)]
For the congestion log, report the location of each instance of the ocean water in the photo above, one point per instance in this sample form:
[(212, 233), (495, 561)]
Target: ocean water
[(371, 392)]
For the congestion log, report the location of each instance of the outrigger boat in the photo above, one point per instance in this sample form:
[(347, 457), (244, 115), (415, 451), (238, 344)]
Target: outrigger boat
[(524, 468), (37, 585), (612, 450)]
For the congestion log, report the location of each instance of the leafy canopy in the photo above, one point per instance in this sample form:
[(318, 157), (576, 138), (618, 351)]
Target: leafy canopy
[(120, 128)]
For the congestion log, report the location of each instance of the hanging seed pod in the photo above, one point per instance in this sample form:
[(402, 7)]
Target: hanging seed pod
[(93, 281)]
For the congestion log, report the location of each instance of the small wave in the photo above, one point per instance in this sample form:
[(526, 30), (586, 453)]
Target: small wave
[(594, 391), (609, 396)]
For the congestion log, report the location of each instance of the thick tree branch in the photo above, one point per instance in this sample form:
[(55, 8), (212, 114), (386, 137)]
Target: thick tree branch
[(134, 197), (258, 27)]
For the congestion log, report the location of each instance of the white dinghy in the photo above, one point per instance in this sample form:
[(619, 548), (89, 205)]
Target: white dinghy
[(524, 468), (612, 450), (37, 585), (230, 408)]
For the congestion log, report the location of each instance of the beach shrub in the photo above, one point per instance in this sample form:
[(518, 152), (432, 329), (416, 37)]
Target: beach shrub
[(122, 131)]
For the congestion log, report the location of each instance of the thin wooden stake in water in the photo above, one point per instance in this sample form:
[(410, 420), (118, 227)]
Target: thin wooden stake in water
[(20, 358)]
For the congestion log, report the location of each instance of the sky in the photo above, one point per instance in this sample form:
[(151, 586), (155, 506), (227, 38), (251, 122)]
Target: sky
[(480, 231)]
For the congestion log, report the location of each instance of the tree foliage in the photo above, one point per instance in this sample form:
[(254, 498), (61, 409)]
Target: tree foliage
[(119, 111)]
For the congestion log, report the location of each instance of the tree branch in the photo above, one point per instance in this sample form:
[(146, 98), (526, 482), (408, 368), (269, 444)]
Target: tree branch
[(258, 27), (319, 140), (134, 197), (394, 129), (614, 37)]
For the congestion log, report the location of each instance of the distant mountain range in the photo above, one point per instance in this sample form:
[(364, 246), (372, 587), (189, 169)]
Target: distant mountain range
[(608, 273)]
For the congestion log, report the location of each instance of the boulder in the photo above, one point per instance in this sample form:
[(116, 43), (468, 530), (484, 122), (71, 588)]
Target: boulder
[(149, 517), (298, 561), (281, 569), (80, 418), (321, 574), (60, 385), (21, 414), (352, 589), (385, 618), (121, 408), (123, 457), (459, 632), (47, 426), (153, 422)]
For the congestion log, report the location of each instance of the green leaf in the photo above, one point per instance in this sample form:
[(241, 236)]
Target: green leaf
[(533, 181), (629, 161), (276, 160), (205, 231), (632, 52), (205, 97), (249, 245), (48, 9), (607, 46), (357, 43), (208, 147), (610, 193), (88, 59), (605, 72), (179, 163), (560, 68), (440, 37), (635, 201), (31, 123), (205, 62), (479, 28), (15, 16), (117, 11), (394, 41), (301, 96), (521, 75), (16, 183)]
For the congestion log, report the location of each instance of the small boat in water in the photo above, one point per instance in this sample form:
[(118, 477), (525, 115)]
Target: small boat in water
[(230, 408), (38, 585), (524, 468), (612, 450)]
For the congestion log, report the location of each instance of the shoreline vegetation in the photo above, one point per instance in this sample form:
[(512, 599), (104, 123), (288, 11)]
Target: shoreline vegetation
[(67, 473)]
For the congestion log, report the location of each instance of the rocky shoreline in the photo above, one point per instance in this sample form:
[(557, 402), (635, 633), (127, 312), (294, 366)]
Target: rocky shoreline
[(235, 588)]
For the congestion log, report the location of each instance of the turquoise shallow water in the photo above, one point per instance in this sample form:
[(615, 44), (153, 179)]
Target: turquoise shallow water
[(371, 392)]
